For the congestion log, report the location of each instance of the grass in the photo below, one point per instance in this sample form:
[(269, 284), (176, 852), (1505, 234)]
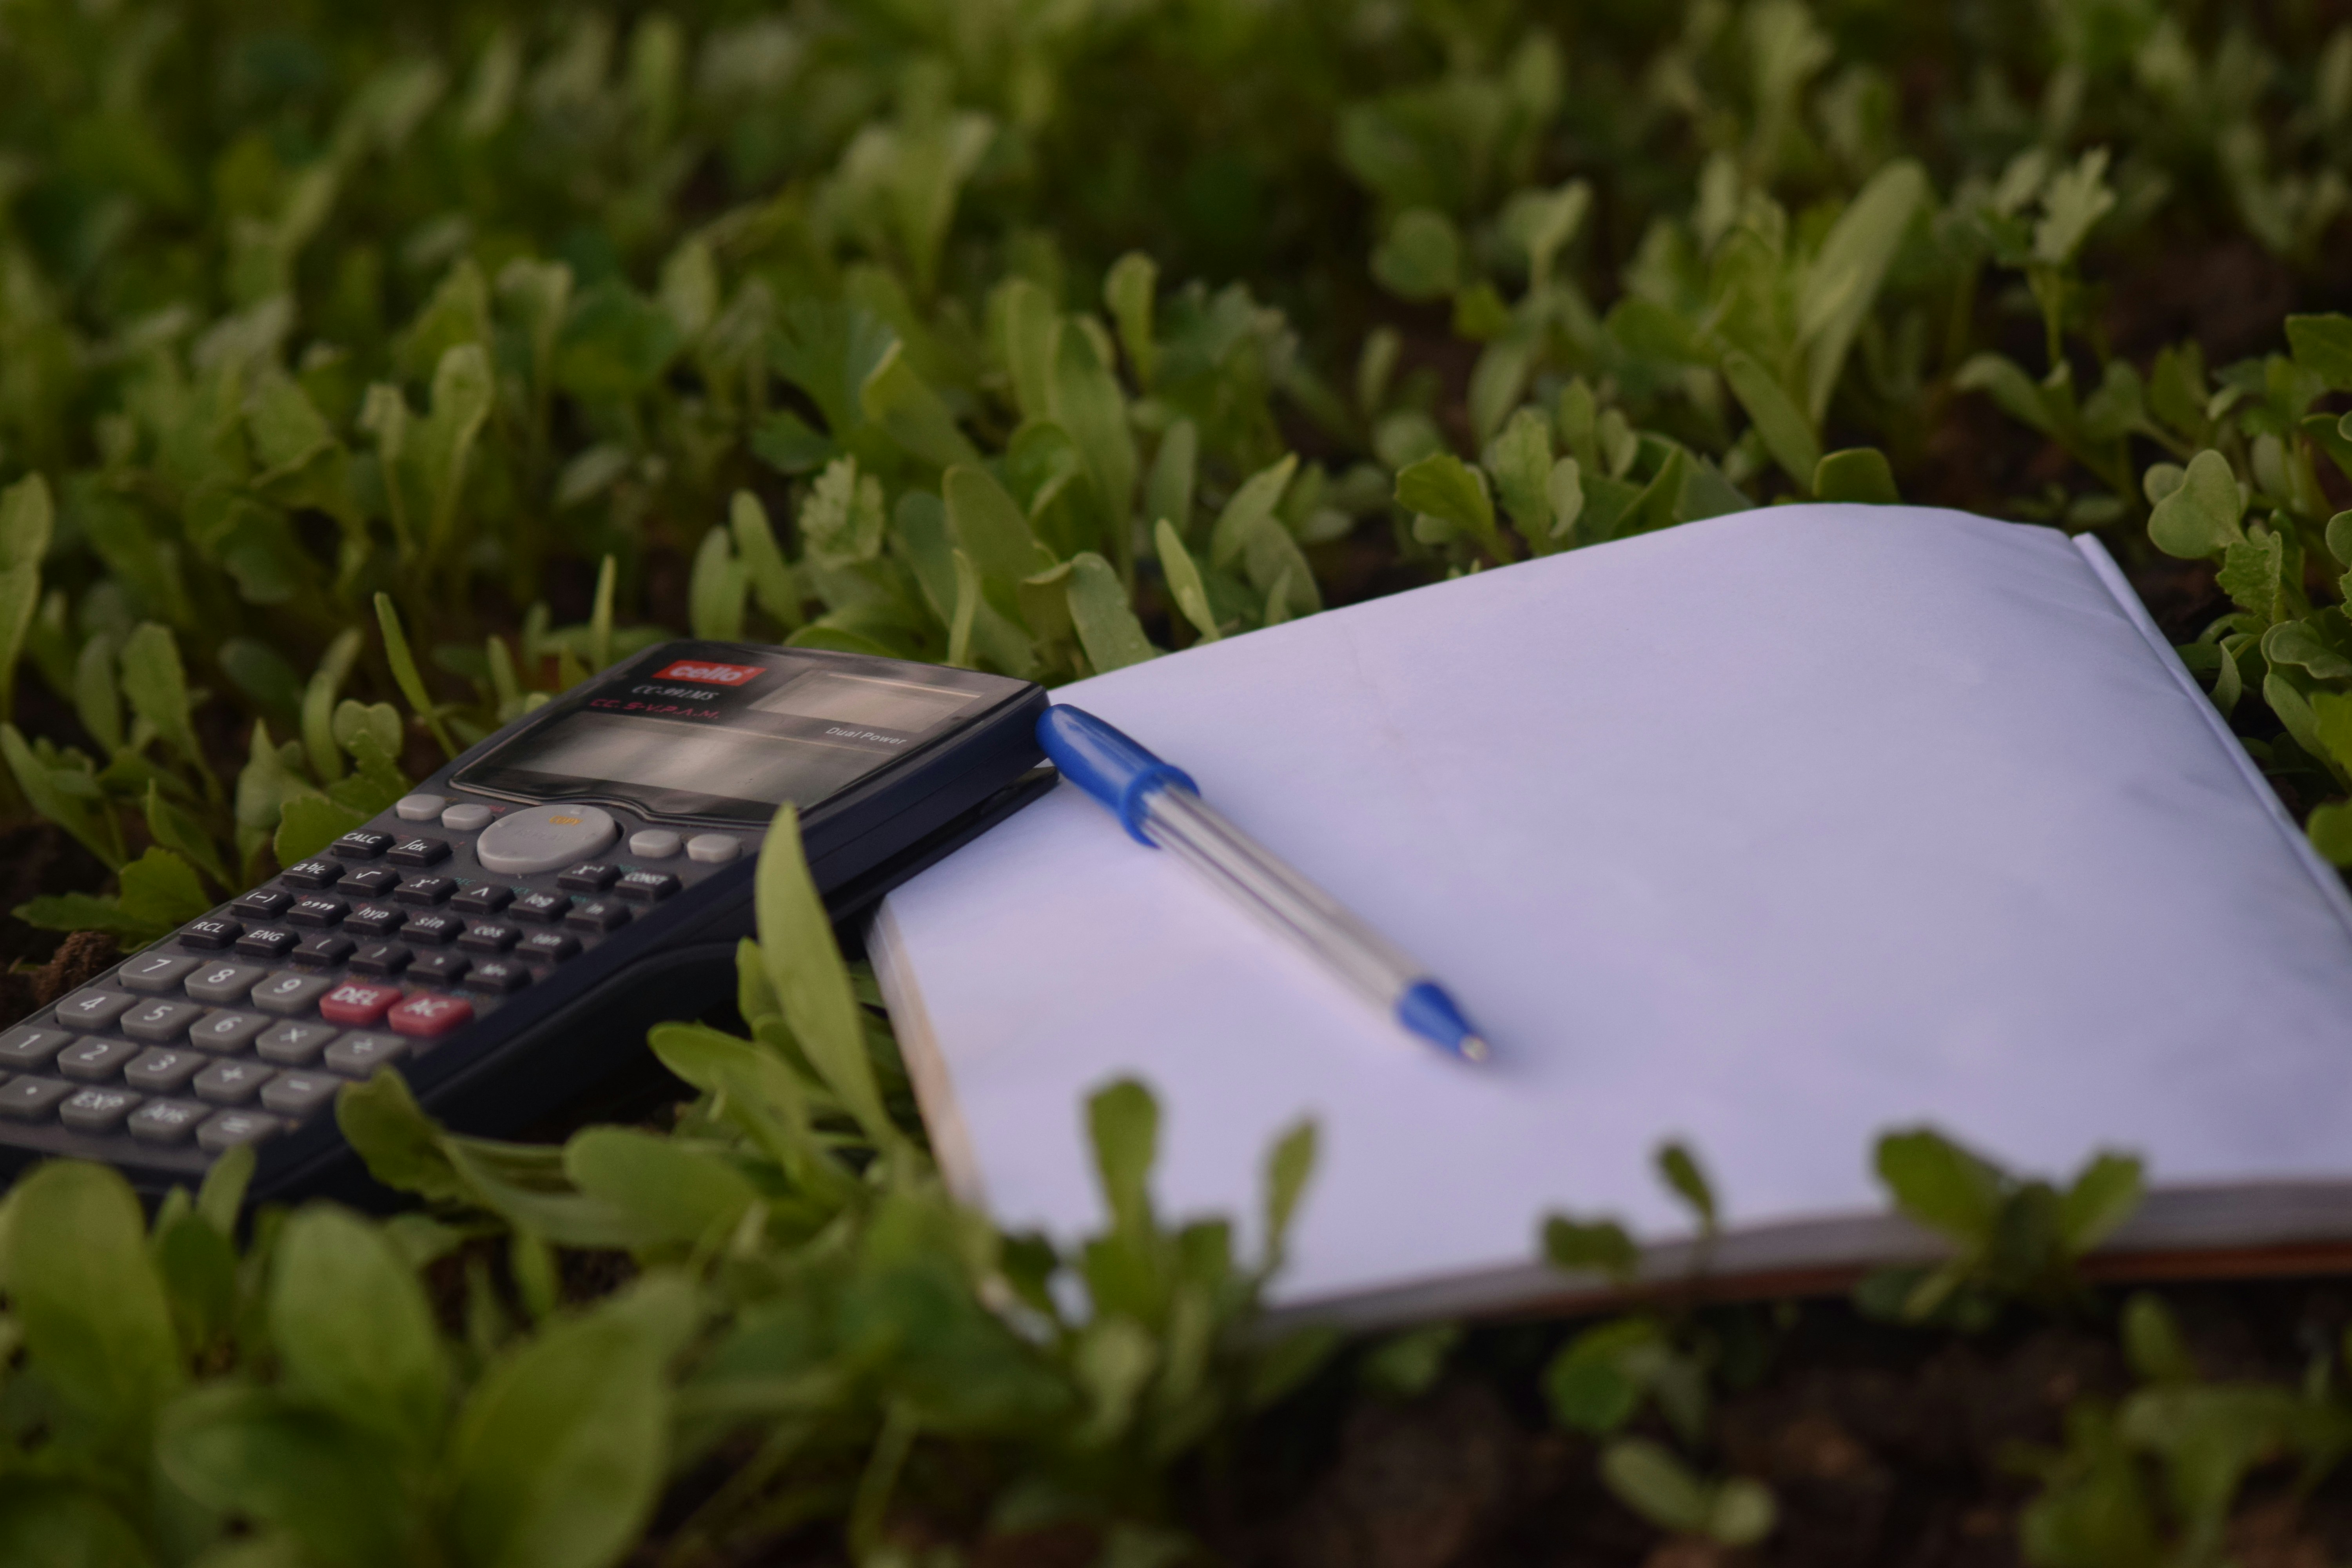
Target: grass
[(368, 375)]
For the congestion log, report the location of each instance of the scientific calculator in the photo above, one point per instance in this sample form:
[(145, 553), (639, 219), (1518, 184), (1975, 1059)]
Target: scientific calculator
[(505, 934)]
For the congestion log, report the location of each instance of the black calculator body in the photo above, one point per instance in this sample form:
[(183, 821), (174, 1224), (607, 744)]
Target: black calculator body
[(506, 934)]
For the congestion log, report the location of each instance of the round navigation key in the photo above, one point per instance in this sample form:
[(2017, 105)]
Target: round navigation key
[(713, 848), (543, 837), (418, 807)]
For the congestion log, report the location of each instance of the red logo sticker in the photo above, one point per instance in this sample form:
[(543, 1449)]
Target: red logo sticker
[(711, 674)]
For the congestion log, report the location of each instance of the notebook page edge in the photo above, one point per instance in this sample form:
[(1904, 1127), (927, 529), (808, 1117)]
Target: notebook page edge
[(927, 1067), (2324, 876)]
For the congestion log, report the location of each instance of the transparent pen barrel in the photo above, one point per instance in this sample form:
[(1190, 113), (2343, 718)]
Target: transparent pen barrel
[(1178, 821)]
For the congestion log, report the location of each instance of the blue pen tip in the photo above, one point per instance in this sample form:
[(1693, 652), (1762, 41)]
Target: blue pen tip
[(1429, 1012)]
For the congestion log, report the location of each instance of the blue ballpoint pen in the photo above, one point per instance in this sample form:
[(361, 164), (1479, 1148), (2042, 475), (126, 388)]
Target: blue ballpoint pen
[(1160, 807)]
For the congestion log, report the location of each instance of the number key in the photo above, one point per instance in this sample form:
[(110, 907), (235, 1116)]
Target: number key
[(95, 1062), (223, 983), (93, 1009), (27, 1048), (159, 1023), (227, 1031), (156, 972), (162, 1072)]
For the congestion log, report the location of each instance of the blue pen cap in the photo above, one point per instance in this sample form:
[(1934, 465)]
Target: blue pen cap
[(1107, 764)]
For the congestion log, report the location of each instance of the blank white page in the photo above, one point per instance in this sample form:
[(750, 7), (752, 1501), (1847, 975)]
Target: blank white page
[(1769, 832)]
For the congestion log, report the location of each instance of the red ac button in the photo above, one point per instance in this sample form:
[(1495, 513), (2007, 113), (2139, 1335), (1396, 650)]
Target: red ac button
[(427, 1015)]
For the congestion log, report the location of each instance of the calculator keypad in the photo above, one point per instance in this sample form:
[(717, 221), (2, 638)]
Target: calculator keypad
[(247, 1023)]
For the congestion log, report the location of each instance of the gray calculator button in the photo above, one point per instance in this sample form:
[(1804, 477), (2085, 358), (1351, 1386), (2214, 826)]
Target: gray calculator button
[(653, 844), (543, 837), (465, 818), (713, 848), (231, 1128), (156, 972), (166, 1121), (94, 1009), (294, 1044), (159, 1022), (228, 1031), (95, 1062), (418, 807), (31, 1098), (220, 982), (290, 994), (359, 1055), (162, 1072), (231, 1082), (296, 1094), (31, 1047), (97, 1110)]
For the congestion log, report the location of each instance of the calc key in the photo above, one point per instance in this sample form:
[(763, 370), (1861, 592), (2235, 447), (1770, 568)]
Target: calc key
[(231, 1082), (223, 981), (231, 1128), (166, 1121), (31, 1047), (290, 994), (156, 972), (95, 1062), (97, 1110), (31, 1098), (294, 1044), (162, 1072), (93, 1009), (159, 1022)]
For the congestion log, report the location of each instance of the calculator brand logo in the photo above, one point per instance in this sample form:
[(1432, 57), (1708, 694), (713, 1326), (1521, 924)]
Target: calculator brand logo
[(711, 674)]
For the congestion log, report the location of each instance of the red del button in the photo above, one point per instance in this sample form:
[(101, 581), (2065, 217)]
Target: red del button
[(356, 1001), (429, 1013)]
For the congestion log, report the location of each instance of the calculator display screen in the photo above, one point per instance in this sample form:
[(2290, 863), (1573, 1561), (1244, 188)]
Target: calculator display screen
[(733, 737)]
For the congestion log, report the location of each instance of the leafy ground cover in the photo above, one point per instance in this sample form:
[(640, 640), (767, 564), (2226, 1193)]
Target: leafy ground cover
[(369, 374)]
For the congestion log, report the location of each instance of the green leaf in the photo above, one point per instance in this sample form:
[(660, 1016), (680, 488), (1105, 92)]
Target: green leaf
[(1250, 510), (249, 1451), (400, 1144), (26, 521), (1651, 1481), (1105, 622), (1287, 1167), (1744, 1512), (353, 1330), (1444, 487), (1682, 1173), (1087, 403), (307, 824), (1859, 474), (717, 590), (559, 1454), (1580, 1247), (2102, 1197), (614, 344), (1519, 458), (2200, 519), (1564, 488), (2323, 345), (2075, 200), (47, 1523), (407, 676), (2330, 830), (48, 792), (160, 890), (812, 983), (1168, 488), (1123, 1129), (1941, 1184), (442, 443), (2152, 1341), (2299, 643), (1129, 289), (1407, 1365), (772, 581), (1422, 257), (1779, 424), (1184, 579), (182, 835), (1845, 279), (897, 399), (988, 526), (673, 1191), (81, 1283), (157, 688), (2254, 573)]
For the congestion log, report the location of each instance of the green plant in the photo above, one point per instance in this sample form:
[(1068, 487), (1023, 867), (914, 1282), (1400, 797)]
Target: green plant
[(2011, 1240)]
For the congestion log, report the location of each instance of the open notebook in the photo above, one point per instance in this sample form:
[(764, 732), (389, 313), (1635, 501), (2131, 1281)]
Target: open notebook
[(1769, 832)]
